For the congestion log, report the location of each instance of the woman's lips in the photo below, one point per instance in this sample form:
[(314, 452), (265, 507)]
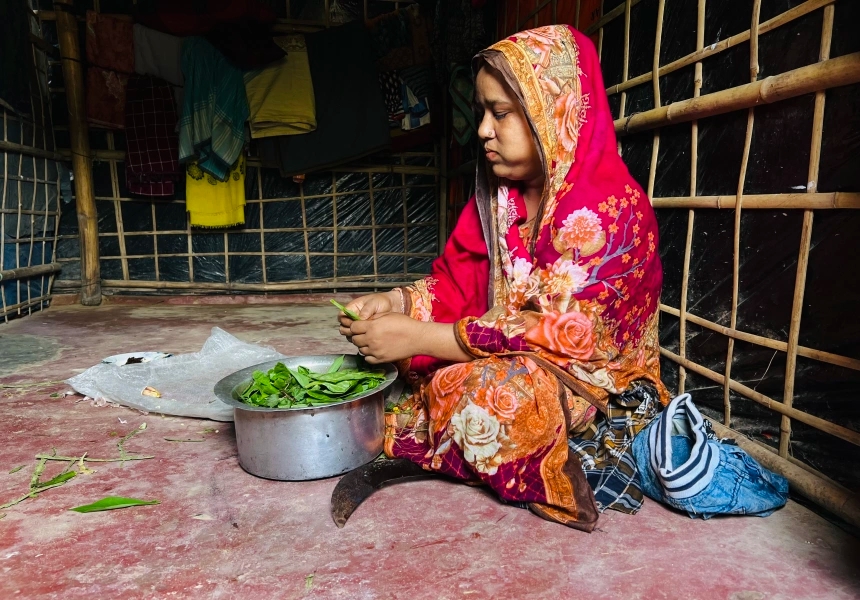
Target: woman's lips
[(491, 155)]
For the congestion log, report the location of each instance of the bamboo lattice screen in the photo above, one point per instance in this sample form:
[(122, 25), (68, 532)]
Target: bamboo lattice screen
[(29, 204), (346, 229), (746, 325)]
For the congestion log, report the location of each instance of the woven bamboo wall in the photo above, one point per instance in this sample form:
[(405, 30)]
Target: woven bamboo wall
[(29, 198), (344, 229), (740, 120)]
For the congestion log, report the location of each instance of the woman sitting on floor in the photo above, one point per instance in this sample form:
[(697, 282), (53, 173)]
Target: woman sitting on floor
[(532, 347)]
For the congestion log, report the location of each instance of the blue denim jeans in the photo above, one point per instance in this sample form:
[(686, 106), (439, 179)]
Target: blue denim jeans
[(682, 464)]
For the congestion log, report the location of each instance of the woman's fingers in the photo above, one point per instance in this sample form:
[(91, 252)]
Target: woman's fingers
[(358, 327), (370, 359)]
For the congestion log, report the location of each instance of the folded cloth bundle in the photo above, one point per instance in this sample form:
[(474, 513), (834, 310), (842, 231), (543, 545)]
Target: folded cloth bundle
[(281, 96), (683, 464)]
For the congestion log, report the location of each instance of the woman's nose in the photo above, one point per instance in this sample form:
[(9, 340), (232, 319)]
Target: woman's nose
[(485, 127)]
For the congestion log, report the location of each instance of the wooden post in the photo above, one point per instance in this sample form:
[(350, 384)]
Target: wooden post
[(73, 74), (805, 241)]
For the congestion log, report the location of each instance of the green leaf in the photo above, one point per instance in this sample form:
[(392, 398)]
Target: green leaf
[(345, 310), (111, 503), (336, 365), (303, 379), (16, 469), (61, 478)]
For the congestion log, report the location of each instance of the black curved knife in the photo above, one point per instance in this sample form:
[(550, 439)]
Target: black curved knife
[(356, 486)]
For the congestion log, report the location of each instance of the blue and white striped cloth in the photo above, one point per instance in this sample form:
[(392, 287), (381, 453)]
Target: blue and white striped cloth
[(691, 476)]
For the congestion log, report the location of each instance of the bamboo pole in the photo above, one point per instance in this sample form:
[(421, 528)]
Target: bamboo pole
[(73, 74), (9, 309), (30, 151), (625, 69), (28, 272), (119, 155), (829, 495), (805, 241), (736, 241), (812, 200), (827, 357), (254, 287), (702, 53), (849, 435), (610, 16), (796, 462), (833, 72), (691, 214), (655, 65)]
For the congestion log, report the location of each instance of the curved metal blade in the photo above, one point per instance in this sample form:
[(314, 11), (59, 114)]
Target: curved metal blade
[(357, 485)]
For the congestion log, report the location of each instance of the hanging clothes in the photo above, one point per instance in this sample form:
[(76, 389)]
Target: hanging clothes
[(111, 57), (215, 204), (212, 126), (390, 84), (419, 80), (106, 95), (401, 39), (417, 110), (152, 161), (160, 55), (351, 118), (281, 96), (109, 42)]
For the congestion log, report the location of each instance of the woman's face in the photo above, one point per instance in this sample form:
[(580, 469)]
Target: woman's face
[(504, 129)]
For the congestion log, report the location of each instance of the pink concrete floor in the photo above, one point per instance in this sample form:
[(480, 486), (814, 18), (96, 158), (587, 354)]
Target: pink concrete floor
[(264, 539)]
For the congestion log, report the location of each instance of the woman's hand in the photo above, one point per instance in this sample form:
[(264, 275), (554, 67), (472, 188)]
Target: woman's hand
[(391, 337), (368, 307), (386, 338)]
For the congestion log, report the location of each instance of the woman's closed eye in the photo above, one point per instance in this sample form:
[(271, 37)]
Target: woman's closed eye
[(500, 115)]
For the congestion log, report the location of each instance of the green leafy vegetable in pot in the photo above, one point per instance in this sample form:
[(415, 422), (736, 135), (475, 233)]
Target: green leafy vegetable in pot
[(282, 387)]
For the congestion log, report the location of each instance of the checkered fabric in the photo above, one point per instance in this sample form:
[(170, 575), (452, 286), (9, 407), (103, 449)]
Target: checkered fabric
[(152, 163), (605, 449)]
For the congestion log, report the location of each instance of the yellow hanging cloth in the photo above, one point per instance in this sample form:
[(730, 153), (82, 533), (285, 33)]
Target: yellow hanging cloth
[(281, 96), (212, 203)]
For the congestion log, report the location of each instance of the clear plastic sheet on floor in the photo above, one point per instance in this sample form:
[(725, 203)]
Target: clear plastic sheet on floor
[(185, 381)]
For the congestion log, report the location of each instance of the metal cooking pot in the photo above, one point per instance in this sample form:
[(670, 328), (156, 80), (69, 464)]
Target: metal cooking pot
[(296, 444)]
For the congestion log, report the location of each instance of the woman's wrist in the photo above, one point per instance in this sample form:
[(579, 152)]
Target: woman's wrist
[(438, 340), (395, 297)]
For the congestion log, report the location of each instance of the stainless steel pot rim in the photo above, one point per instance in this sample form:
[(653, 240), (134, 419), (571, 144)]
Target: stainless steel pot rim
[(228, 389)]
